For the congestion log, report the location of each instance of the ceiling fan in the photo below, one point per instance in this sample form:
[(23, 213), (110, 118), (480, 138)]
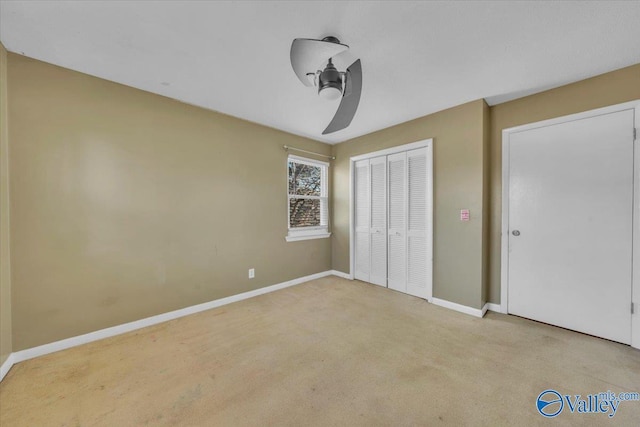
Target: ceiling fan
[(307, 55)]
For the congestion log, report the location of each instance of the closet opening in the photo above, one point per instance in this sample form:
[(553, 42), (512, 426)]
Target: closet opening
[(391, 218)]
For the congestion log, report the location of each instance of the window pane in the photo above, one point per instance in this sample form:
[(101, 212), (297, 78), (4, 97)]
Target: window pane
[(292, 174), (304, 180), (304, 213)]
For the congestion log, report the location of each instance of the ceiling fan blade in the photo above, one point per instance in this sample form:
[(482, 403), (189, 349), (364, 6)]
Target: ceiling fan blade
[(350, 99), (307, 55)]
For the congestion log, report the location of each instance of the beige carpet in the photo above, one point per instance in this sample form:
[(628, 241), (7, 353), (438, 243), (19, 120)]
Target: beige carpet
[(328, 352)]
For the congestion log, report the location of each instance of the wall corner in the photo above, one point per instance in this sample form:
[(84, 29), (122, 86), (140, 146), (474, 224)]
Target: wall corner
[(6, 335)]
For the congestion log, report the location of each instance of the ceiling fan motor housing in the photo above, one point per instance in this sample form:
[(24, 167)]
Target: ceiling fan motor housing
[(330, 82), (331, 39)]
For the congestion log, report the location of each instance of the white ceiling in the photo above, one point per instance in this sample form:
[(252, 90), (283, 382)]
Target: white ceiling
[(417, 57)]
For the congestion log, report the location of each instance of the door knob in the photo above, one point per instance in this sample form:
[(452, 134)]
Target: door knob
[(515, 232)]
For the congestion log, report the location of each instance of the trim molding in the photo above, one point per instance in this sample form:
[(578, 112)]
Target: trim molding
[(461, 308), (393, 150), (494, 307), (30, 353), (4, 368), (341, 274), (485, 307), (307, 237)]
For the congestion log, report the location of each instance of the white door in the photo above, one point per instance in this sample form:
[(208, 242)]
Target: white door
[(397, 231), (418, 223), (378, 239), (362, 221), (570, 224)]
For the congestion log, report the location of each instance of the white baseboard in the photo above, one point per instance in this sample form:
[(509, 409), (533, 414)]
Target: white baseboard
[(4, 368), (41, 350), (30, 353), (494, 307), (485, 307), (459, 307), (341, 274)]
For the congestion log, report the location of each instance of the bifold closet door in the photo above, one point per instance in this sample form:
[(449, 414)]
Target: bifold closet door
[(371, 220), (393, 221), (397, 230), (362, 221), (409, 229), (418, 223), (378, 235)]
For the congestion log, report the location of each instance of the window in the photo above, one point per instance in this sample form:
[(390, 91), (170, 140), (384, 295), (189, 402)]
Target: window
[(308, 199)]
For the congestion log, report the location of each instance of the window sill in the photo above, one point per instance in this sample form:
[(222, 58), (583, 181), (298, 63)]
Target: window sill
[(307, 237)]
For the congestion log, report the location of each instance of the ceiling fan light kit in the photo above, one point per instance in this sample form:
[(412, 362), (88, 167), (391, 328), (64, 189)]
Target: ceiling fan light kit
[(307, 54), (330, 82)]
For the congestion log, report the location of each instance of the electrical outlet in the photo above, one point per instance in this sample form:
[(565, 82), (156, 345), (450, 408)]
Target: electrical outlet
[(252, 273)]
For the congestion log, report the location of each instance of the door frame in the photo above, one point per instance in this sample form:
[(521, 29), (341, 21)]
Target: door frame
[(387, 151), (504, 249)]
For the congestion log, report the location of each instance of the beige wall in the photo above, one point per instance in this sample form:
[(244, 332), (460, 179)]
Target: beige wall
[(458, 183), (600, 91), (5, 268), (125, 204)]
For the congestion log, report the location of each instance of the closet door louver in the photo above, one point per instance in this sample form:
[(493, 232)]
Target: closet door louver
[(378, 171), (362, 221), (397, 258), (419, 206)]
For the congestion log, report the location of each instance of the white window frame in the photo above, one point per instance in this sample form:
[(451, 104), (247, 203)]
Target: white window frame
[(306, 233)]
